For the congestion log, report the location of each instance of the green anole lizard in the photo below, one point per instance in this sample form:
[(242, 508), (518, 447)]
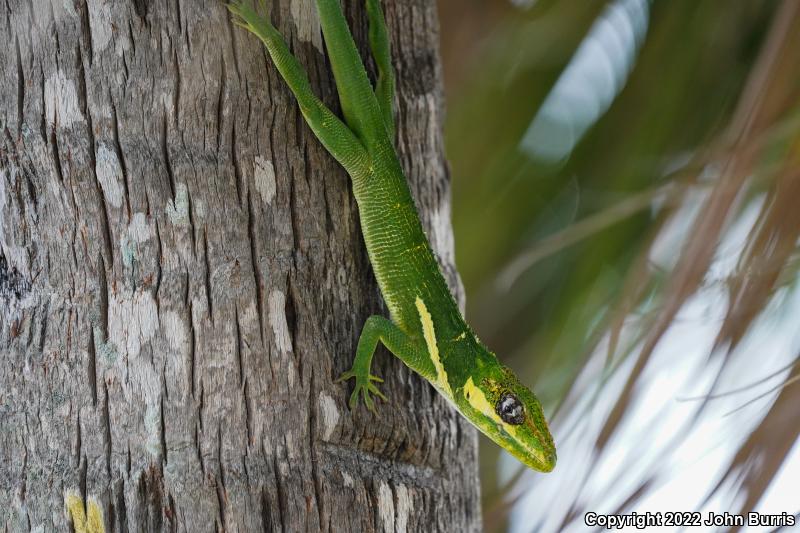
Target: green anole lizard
[(426, 330)]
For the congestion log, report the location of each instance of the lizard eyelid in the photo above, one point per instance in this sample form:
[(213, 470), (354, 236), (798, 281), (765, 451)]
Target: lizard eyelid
[(510, 409)]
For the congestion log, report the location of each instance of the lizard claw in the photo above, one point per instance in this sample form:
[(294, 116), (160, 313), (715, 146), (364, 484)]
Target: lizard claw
[(364, 387)]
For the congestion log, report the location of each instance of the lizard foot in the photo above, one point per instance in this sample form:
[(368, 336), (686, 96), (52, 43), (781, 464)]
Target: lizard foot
[(364, 386)]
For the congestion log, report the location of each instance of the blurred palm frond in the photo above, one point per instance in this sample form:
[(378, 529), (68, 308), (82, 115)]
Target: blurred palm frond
[(658, 259)]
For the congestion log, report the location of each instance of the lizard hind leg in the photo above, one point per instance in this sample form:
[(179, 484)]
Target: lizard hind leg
[(381, 52), (359, 105), (334, 134)]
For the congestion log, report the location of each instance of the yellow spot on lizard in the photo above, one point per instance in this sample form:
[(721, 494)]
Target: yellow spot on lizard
[(88, 519), (433, 348), (477, 399)]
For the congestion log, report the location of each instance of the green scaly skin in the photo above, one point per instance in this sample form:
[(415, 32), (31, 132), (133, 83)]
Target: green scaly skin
[(426, 331)]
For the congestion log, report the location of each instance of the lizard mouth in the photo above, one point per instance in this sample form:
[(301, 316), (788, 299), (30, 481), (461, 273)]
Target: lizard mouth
[(541, 457), (541, 460)]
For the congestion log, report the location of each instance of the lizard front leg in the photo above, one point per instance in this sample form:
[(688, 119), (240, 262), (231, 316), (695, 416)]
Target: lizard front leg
[(378, 328)]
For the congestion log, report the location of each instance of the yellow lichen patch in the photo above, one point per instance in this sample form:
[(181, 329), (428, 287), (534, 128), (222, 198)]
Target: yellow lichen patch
[(85, 519), (433, 348)]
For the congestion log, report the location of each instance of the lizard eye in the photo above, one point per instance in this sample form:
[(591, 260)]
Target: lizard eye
[(510, 410)]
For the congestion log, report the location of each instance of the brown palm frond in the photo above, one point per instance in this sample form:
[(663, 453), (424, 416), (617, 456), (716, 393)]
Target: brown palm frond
[(758, 460), (770, 245), (763, 102)]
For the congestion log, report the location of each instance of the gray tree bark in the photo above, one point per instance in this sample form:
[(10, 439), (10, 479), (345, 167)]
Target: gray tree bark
[(182, 276)]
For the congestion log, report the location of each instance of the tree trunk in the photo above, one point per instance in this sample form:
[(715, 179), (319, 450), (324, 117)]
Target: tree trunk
[(182, 276)]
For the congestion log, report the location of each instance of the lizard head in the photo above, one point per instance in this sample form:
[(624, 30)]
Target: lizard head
[(508, 413)]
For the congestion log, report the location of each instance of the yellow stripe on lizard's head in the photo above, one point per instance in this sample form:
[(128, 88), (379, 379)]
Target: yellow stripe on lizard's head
[(509, 414)]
